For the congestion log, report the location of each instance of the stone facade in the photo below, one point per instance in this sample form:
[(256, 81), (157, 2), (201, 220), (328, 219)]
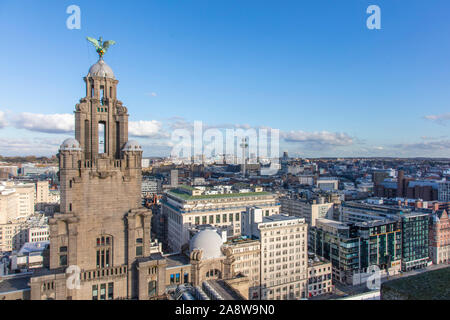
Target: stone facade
[(102, 231), (439, 237)]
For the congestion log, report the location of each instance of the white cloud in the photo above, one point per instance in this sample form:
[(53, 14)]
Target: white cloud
[(425, 146), (439, 118), (318, 139), (49, 123), (143, 128), (26, 146), (3, 122)]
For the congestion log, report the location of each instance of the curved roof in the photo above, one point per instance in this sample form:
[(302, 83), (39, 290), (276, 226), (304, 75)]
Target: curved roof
[(101, 69), (132, 145), (209, 241), (70, 144)]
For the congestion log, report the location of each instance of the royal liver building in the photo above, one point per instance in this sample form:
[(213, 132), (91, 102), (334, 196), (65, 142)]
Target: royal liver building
[(100, 238)]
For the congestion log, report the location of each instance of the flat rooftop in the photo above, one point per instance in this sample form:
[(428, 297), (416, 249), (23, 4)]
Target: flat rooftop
[(280, 217), (184, 196), (226, 292), (14, 283), (332, 223), (176, 260)]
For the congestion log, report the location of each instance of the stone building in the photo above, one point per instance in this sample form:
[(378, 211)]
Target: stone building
[(186, 207), (102, 231), (439, 237), (284, 256)]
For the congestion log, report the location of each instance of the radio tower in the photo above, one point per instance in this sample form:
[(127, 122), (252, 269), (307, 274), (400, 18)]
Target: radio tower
[(244, 146)]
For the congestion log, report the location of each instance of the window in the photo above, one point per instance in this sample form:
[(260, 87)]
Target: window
[(204, 220), (101, 137), (63, 260), (186, 277), (103, 291), (172, 279), (152, 288), (224, 217), (211, 219), (102, 94), (111, 290), (197, 220), (237, 216), (95, 292), (139, 247), (63, 249), (217, 218)]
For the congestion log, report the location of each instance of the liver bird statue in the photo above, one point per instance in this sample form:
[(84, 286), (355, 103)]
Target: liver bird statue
[(100, 46)]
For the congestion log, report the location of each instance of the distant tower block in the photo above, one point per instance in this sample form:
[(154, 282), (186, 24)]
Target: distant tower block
[(244, 146), (174, 178)]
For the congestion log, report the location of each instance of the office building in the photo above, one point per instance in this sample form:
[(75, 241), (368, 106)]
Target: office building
[(353, 247), (308, 209), (284, 256), (186, 207)]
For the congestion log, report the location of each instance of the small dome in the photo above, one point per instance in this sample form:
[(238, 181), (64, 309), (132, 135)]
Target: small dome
[(209, 241), (101, 69), (132, 145), (70, 144)]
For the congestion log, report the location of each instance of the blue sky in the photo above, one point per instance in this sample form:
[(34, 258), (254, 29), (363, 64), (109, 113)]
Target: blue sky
[(309, 68)]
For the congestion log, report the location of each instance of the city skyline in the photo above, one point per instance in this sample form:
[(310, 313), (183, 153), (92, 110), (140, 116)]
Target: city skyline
[(331, 86)]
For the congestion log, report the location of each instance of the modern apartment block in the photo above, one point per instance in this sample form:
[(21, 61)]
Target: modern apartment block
[(308, 209), (359, 212), (444, 191), (284, 256), (185, 207), (415, 240), (353, 247)]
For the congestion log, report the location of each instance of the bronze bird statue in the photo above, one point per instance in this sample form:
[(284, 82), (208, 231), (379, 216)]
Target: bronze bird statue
[(100, 46)]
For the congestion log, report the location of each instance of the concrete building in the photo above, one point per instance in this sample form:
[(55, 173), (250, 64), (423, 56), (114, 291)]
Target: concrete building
[(150, 187), (38, 233), (186, 207), (319, 276), (174, 178), (46, 198), (444, 191), (30, 256), (327, 184), (308, 209), (360, 212), (284, 256), (16, 207)]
